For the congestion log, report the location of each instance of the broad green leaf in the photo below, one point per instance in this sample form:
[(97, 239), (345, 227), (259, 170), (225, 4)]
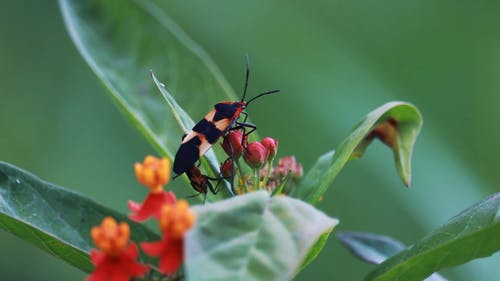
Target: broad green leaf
[(374, 248), (254, 237), (54, 219), (122, 40), (397, 124), (472, 234)]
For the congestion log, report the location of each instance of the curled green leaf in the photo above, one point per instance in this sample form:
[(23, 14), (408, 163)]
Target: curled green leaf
[(397, 124)]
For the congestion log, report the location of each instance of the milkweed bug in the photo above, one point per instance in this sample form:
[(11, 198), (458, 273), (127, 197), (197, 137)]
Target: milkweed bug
[(199, 181), (217, 122)]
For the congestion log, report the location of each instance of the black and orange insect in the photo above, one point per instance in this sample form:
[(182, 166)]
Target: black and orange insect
[(217, 123), (199, 181)]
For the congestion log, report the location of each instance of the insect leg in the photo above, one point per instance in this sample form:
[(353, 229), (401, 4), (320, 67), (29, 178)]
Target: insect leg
[(244, 126)]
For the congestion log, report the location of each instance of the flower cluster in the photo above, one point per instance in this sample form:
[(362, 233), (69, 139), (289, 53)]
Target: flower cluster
[(116, 257), (259, 172)]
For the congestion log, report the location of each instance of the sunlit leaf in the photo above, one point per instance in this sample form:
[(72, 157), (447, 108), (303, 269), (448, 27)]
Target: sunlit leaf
[(52, 218), (254, 237), (122, 40), (397, 124)]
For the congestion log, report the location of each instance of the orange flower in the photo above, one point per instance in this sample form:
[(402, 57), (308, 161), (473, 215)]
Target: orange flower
[(116, 258), (153, 173), (174, 222), (176, 219)]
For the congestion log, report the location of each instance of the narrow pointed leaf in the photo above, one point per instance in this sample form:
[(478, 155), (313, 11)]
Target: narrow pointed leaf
[(397, 124), (54, 219), (122, 40), (254, 237), (374, 248), (472, 234), (370, 247)]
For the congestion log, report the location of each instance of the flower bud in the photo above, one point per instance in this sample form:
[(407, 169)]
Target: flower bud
[(271, 146), (232, 143), (255, 155), (226, 169)]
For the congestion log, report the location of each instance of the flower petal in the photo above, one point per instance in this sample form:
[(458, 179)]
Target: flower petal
[(97, 257), (153, 249), (134, 206), (151, 207), (172, 258), (99, 274)]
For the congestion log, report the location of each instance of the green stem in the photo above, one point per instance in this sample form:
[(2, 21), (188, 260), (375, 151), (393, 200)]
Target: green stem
[(241, 175), (268, 173), (256, 178)]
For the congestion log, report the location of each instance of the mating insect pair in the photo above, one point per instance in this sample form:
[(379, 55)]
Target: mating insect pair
[(218, 122)]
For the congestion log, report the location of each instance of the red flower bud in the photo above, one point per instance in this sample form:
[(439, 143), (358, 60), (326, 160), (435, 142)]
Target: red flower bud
[(255, 155), (272, 147), (232, 143), (226, 169)]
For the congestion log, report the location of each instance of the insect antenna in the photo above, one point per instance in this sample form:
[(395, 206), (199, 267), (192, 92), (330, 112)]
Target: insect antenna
[(260, 95), (247, 65)]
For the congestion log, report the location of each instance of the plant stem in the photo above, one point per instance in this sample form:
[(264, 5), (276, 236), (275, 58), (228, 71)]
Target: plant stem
[(256, 178), (268, 173), (241, 175)]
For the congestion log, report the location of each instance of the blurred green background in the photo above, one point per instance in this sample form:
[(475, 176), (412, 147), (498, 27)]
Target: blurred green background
[(334, 62)]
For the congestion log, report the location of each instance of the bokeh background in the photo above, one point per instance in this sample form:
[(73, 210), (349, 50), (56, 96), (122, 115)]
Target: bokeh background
[(333, 60)]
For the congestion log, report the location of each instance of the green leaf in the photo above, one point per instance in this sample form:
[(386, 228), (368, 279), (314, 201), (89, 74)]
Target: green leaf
[(254, 237), (52, 218), (122, 40), (397, 124), (370, 247), (374, 248), (472, 234)]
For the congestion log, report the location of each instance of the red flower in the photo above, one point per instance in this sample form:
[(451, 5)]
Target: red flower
[(116, 258), (151, 207), (170, 252), (153, 173), (174, 222), (116, 268)]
